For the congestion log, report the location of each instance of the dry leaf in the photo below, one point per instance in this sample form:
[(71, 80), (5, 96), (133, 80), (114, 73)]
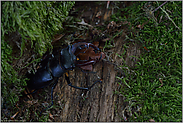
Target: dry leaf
[(57, 37), (51, 116), (107, 15), (99, 14), (151, 120), (161, 83)]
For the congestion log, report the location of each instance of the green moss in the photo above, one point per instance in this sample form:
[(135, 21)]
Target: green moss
[(163, 63), (35, 21)]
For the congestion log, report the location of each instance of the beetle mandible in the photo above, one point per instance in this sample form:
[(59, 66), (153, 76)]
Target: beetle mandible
[(53, 68)]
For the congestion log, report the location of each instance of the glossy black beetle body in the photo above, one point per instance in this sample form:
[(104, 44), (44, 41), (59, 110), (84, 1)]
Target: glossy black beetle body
[(53, 68)]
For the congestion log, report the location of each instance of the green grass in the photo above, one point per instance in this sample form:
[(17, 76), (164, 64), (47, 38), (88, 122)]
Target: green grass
[(162, 62)]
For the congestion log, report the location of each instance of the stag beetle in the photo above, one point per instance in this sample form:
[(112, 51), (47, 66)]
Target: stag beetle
[(54, 67)]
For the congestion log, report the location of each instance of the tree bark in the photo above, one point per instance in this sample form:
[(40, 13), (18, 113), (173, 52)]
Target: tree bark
[(100, 103)]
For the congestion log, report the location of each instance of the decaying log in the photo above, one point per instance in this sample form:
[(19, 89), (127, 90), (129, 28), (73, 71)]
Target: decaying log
[(100, 103)]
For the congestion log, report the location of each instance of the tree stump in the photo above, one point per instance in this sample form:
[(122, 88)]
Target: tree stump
[(100, 103)]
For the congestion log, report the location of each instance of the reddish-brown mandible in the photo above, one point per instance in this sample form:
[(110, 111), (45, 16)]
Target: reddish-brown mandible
[(88, 54)]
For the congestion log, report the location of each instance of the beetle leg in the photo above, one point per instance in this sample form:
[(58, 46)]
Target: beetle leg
[(95, 83), (70, 84), (51, 97), (81, 88)]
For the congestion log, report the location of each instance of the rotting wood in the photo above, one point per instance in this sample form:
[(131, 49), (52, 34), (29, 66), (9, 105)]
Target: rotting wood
[(99, 103)]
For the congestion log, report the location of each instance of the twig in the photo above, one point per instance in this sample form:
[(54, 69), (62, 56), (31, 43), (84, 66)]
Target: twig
[(108, 4), (161, 83), (160, 6), (85, 24), (168, 17)]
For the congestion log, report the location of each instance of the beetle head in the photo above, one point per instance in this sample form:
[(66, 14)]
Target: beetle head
[(67, 58)]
